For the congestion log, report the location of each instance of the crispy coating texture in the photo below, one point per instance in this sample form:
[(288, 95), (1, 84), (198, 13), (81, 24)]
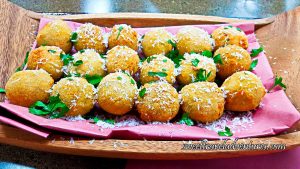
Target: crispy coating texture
[(203, 101), (55, 33), (226, 35), (188, 71), (158, 64), (234, 59), (160, 102), (116, 93), (90, 37), (26, 87), (122, 58), (123, 35), (156, 42), (92, 64), (244, 91), (47, 58), (76, 93), (192, 39)]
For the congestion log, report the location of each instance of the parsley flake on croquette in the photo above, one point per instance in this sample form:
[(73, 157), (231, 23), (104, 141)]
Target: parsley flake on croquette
[(195, 62), (207, 53), (218, 59), (185, 119), (160, 74), (119, 29), (66, 58), (253, 64), (226, 133), (74, 37), (51, 51), (94, 80), (202, 75), (142, 92), (78, 62)]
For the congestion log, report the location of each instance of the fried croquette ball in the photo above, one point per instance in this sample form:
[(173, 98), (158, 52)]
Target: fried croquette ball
[(234, 59), (157, 67), (116, 93), (90, 36), (203, 101), (55, 33), (229, 35), (76, 93), (156, 42), (192, 39), (87, 62), (244, 91), (123, 35), (157, 101), (192, 65), (122, 58), (47, 58), (26, 87)]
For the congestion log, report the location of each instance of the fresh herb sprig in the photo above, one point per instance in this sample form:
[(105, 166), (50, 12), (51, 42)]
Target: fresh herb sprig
[(185, 119), (217, 59), (277, 82), (160, 74), (174, 54), (253, 64), (119, 31), (2, 90), (94, 79), (255, 52), (226, 133), (24, 63), (51, 51), (78, 62), (202, 75), (142, 92), (55, 108), (66, 58), (74, 37), (110, 121)]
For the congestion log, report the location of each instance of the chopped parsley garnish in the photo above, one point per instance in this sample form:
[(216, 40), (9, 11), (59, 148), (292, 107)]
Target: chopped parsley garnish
[(102, 56), (142, 60), (174, 54), (132, 81), (110, 121), (119, 78), (163, 69), (51, 51), (253, 64), (139, 84), (277, 82), (192, 52), (73, 75), (66, 58), (165, 60), (226, 133), (142, 92), (255, 52), (150, 58), (227, 27), (161, 74), (143, 37), (82, 51), (2, 90), (239, 29), (55, 108), (24, 62), (202, 75), (207, 53), (74, 37), (218, 59), (185, 119), (95, 119), (119, 29), (195, 62), (94, 80), (78, 62)]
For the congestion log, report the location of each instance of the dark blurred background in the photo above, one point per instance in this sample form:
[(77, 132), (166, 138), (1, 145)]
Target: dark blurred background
[(247, 9)]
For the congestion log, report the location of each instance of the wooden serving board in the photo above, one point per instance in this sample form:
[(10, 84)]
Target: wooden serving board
[(280, 35)]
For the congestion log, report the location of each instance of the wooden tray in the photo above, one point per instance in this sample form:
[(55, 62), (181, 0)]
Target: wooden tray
[(280, 35)]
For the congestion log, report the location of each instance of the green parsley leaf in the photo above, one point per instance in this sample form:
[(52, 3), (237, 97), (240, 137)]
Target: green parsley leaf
[(185, 119), (102, 56), (202, 75), (253, 64), (150, 58), (96, 119), (277, 82), (119, 78), (227, 132), (119, 29), (51, 51), (142, 92), (195, 62), (161, 74), (174, 54), (66, 58), (163, 69), (239, 29), (78, 62), (192, 52), (94, 80), (139, 84), (132, 81), (24, 63), (74, 37), (82, 51), (2, 90), (110, 121), (143, 37), (227, 27), (207, 53), (165, 60), (255, 52), (218, 59), (172, 43)]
